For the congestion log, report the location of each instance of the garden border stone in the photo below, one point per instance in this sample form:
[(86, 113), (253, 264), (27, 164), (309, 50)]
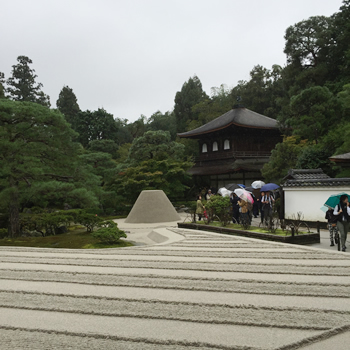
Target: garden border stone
[(309, 238)]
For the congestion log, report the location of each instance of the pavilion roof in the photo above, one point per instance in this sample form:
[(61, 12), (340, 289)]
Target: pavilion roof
[(242, 117), (345, 157)]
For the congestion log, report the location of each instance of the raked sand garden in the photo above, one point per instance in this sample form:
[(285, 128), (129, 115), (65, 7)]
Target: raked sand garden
[(178, 289)]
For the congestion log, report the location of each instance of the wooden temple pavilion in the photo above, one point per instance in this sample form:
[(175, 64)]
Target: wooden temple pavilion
[(234, 147)]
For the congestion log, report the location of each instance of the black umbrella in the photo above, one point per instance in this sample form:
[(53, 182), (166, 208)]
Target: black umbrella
[(232, 187), (250, 189)]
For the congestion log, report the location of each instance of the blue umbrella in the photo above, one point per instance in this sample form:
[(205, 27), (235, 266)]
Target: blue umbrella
[(269, 187), (243, 186)]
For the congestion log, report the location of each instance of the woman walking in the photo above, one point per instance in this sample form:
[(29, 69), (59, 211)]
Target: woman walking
[(332, 226), (342, 211), (244, 212), (200, 208)]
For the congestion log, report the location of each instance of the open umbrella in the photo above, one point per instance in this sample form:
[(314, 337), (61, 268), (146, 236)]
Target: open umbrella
[(224, 192), (269, 187), (258, 184), (232, 187), (334, 199), (243, 194), (324, 208), (241, 185), (249, 189)]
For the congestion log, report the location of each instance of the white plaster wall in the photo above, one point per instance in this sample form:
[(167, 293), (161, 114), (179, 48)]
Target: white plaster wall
[(309, 201)]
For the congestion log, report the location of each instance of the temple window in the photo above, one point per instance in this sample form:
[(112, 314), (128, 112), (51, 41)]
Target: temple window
[(227, 144), (204, 148), (215, 146)]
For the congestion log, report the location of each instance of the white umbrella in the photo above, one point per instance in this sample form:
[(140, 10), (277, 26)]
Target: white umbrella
[(258, 184), (243, 194), (223, 191)]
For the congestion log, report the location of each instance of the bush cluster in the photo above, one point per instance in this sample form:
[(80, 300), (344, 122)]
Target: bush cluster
[(108, 232), (220, 207)]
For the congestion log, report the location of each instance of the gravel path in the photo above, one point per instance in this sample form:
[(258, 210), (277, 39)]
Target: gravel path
[(201, 291)]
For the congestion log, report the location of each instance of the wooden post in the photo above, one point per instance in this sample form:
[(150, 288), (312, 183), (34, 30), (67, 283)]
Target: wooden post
[(318, 227)]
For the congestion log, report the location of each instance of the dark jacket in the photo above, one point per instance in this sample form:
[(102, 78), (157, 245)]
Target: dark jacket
[(331, 217), (234, 203)]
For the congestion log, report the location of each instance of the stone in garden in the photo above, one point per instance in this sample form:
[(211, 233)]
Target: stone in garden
[(152, 206)]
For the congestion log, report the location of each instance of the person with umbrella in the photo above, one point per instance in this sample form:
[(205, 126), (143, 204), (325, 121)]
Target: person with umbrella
[(244, 211), (245, 201), (342, 212), (267, 202), (332, 225), (235, 207)]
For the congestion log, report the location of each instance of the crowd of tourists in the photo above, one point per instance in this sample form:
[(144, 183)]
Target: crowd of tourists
[(243, 211)]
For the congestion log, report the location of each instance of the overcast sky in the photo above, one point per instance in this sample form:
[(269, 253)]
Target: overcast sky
[(131, 57)]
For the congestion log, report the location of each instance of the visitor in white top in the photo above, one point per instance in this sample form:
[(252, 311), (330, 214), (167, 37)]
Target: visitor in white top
[(209, 194)]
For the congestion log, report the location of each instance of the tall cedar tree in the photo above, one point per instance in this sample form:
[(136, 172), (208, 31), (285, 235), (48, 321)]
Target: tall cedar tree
[(67, 104), (21, 86), (191, 94)]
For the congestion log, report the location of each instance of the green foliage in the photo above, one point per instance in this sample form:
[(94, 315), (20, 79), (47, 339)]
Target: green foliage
[(314, 110), (97, 125), (283, 157), (220, 206), (123, 152), (3, 233), (106, 146), (167, 175), (45, 223), (2, 85), (344, 98), (164, 122), (262, 92), (156, 145), (314, 157), (21, 86), (308, 41), (67, 104), (191, 94), (90, 221), (109, 232), (137, 128), (38, 156), (101, 164)]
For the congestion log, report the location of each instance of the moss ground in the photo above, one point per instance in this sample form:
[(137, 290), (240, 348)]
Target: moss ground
[(278, 232), (75, 238)]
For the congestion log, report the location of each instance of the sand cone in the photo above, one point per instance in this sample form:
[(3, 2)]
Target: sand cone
[(152, 206)]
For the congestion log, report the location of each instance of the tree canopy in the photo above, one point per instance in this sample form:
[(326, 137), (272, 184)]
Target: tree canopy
[(39, 156)]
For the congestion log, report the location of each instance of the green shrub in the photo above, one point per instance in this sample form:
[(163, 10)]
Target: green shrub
[(3, 233), (220, 206), (45, 223), (90, 221), (108, 232)]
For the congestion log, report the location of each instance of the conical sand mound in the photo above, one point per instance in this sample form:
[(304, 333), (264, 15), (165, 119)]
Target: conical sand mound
[(151, 207)]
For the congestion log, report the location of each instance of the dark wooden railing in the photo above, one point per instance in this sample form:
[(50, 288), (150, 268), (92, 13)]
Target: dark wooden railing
[(233, 154)]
